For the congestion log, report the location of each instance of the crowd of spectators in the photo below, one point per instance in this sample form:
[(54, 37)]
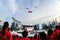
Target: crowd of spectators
[(51, 34)]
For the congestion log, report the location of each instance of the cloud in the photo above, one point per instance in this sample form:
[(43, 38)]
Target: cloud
[(41, 13), (13, 6), (44, 11)]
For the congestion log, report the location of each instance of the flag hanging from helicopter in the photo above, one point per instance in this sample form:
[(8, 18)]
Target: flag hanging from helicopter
[(0, 20), (30, 10)]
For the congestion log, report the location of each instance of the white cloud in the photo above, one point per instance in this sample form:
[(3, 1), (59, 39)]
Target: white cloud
[(48, 11), (40, 14), (13, 6)]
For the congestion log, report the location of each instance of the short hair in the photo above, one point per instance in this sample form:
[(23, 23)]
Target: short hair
[(35, 35), (42, 35), (24, 33), (50, 31), (56, 26)]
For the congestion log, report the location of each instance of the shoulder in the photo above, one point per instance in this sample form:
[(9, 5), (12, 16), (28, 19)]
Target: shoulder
[(25, 38), (8, 33)]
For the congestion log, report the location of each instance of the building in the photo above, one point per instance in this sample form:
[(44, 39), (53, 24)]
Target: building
[(34, 27), (16, 24)]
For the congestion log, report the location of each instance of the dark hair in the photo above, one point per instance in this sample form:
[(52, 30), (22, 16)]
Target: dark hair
[(5, 25), (35, 35), (59, 27), (24, 34), (42, 35), (56, 26), (50, 31)]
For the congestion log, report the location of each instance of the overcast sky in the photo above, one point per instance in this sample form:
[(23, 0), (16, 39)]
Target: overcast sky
[(41, 10)]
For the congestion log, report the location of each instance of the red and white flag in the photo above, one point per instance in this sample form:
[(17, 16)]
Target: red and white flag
[(29, 11)]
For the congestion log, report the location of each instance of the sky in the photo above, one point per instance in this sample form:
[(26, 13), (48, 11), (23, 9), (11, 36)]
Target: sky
[(42, 10)]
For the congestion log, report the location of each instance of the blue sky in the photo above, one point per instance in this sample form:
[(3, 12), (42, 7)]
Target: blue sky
[(45, 10)]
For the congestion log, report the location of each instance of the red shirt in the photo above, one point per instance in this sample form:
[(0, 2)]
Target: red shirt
[(7, 33), (7, 36), (37, 38), (56, 34), (25, 39), (49, 37)]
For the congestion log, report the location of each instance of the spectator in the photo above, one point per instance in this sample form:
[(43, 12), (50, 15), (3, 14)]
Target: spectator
[(56, 33), (42, 36), (25, 34), (49, 34), (16, 37), (6, 35), (50, 31), (56, 27), (59, 33), (36, 37)]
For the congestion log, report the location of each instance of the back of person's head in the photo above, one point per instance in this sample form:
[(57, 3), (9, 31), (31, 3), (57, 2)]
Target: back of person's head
[(24, 34), (35, 35), (42, 35), (5, 26), (59, 27), (56, 27), (49, 32)]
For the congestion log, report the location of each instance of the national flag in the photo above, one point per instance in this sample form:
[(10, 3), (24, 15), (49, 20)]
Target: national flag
[(29, 11), (0, 20)]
